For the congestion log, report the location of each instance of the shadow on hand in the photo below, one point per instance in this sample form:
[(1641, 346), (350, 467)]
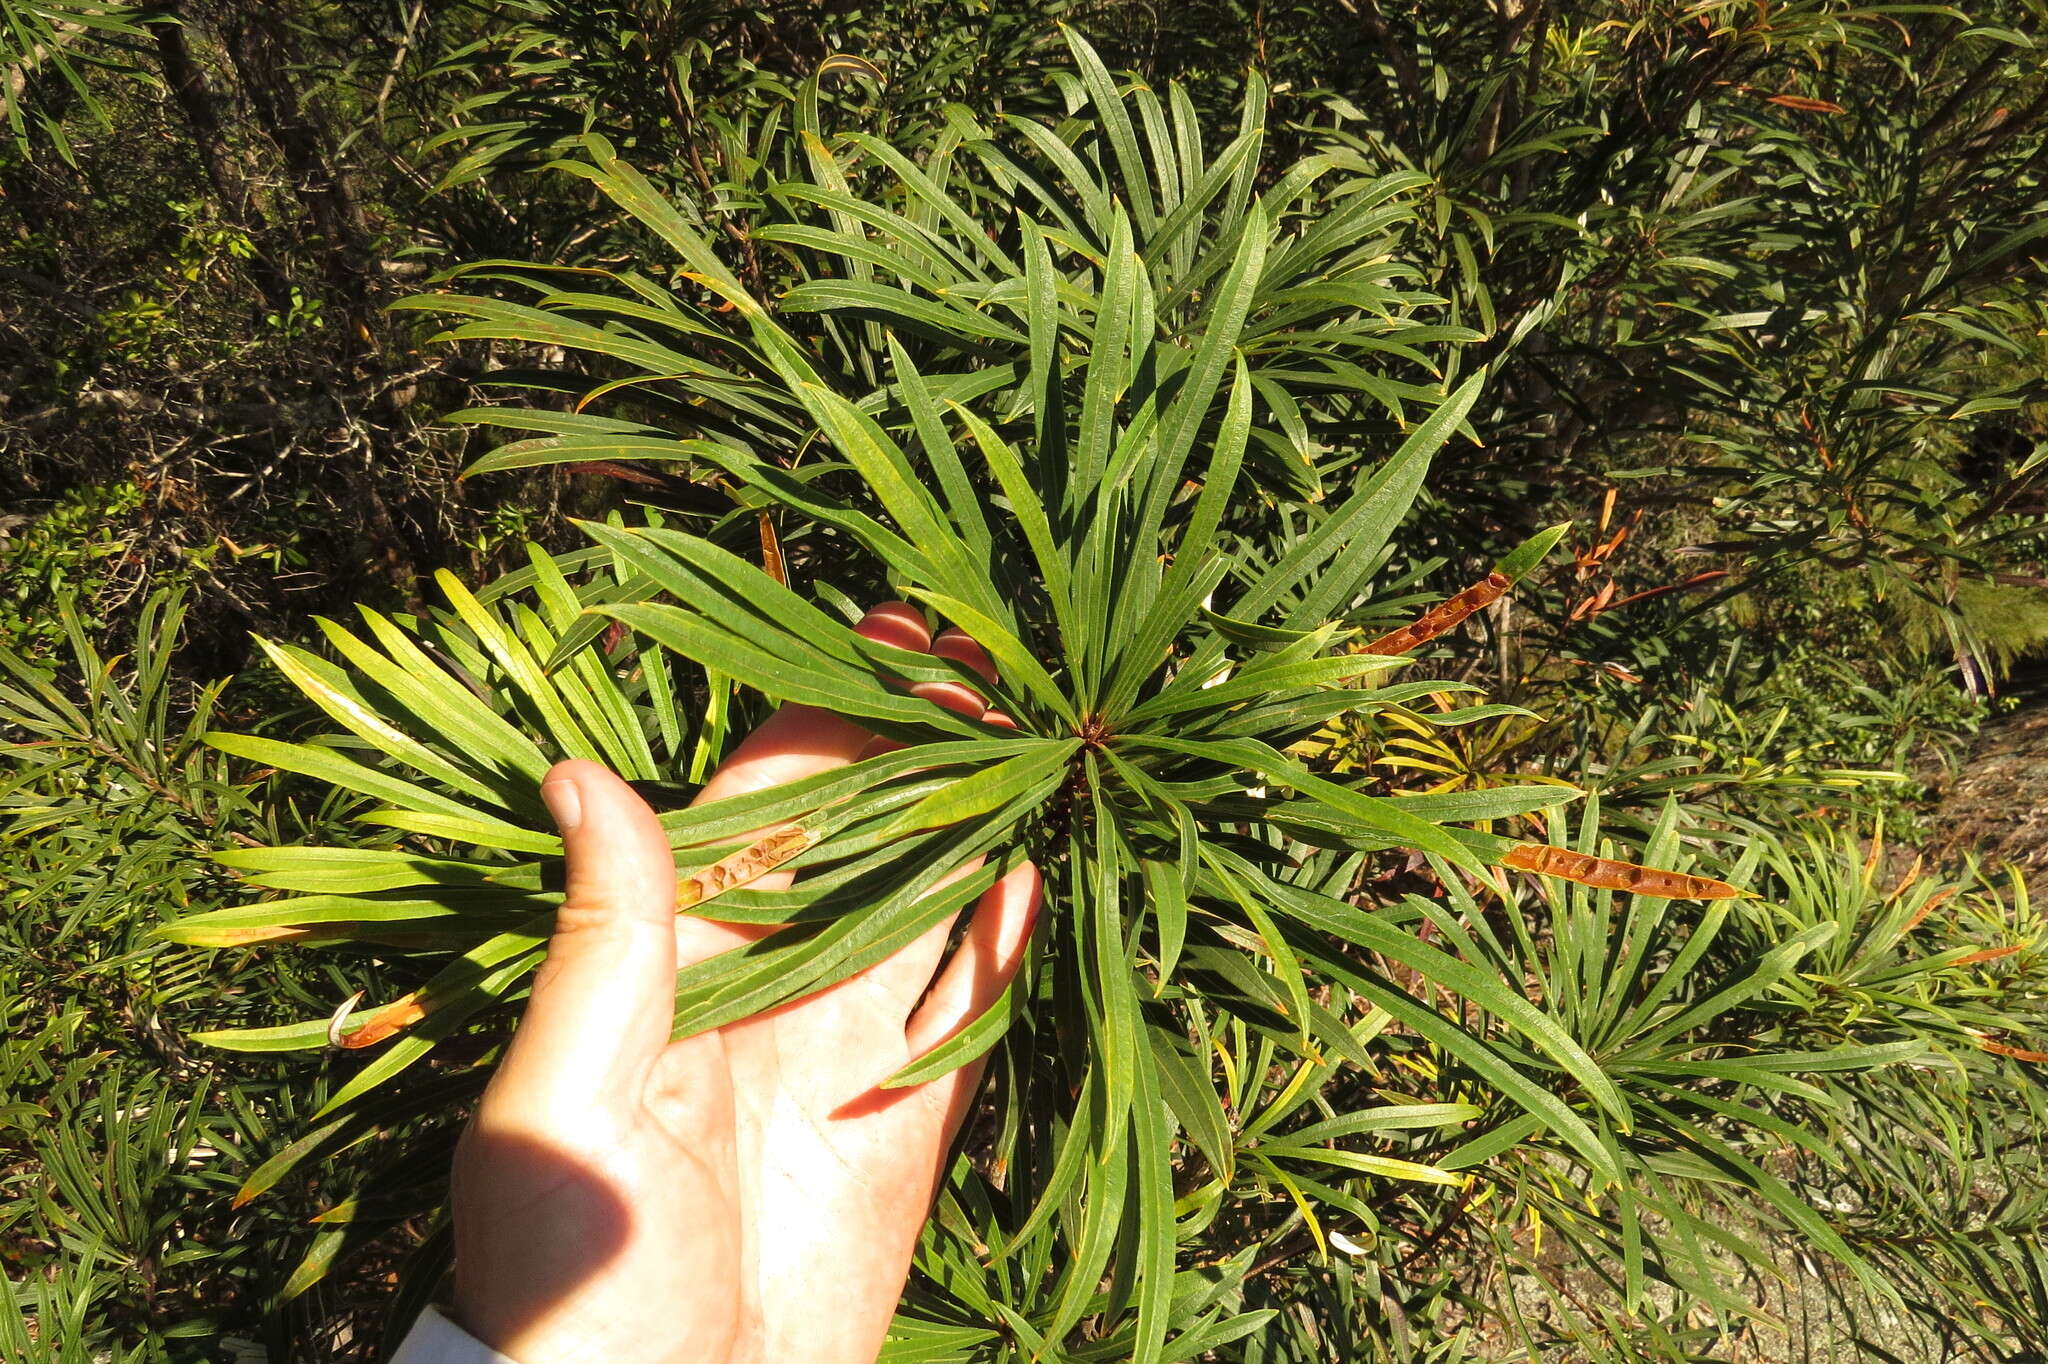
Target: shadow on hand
[(535, 1224), (869, 1102)]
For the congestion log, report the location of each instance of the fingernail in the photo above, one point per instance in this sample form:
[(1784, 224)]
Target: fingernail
[(564, 802)]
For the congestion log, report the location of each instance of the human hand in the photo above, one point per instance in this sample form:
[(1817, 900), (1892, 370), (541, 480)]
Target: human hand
[(747, 1194)]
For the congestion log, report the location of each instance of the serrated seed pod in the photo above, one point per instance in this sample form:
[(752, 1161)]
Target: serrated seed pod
[(1444, 616), (1603, 873)]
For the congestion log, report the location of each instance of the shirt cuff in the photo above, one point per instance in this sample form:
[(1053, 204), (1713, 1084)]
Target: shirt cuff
[(436, 1340)]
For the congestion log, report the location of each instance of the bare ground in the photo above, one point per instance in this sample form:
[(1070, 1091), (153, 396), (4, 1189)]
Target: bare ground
[(1996, 808)]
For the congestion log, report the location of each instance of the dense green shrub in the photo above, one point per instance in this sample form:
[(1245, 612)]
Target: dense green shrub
[(123, 1142), (1041, 434), (1137, 381)]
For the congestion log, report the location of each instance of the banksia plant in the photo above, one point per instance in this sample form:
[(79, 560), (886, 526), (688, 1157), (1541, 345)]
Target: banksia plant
[(1141, 420)]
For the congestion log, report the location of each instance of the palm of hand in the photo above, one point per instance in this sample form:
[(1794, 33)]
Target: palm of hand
[(830, 1182), (829, 1253), (752, 1187)]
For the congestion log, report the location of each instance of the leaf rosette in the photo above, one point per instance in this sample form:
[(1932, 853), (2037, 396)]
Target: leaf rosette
[(1085, 393)]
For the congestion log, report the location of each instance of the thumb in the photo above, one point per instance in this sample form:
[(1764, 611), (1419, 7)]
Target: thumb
[(603, 1000)]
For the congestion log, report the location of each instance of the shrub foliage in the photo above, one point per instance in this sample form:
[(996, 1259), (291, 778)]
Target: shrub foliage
[(1227, 413)]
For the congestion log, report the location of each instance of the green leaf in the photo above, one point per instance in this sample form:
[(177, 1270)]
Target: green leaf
[(1014, 662), (324, 764), (850, 692), (1109, 366), (1373, 812), (1482, 987), (968, 1045), (1153, 1229), (1386, 1167), (1184, 1083), (1523, 559), (1251, 634), (1357, 531), (1023, 779), (437, 701), (522, 668), (330, 690)]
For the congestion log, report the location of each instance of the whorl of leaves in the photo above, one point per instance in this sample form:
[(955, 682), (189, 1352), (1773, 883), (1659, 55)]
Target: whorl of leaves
[(1055, 383)]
